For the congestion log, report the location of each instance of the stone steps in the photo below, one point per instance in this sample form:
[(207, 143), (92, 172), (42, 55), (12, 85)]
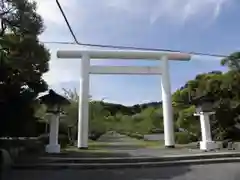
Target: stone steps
[(60, 161), (57, 166)]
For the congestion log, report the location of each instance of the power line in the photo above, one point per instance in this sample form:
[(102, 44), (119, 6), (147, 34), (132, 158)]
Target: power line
[(67, 22), (134, 48), (59, 42), (122, 47)]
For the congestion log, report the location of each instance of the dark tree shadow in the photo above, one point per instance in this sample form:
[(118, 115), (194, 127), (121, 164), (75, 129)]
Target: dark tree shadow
[(157, 173), (154, 173), (72, 157)]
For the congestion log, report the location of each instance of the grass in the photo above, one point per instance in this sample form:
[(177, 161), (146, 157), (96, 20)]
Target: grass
[(89, 150), (192, 145), (107, 147), (96, 146), (101, 147), (140, 143), (151, 143)]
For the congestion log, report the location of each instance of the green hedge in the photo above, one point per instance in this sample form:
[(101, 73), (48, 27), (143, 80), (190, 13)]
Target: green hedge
[(132, 134), (182, 138), (95, 135), (156, 131)]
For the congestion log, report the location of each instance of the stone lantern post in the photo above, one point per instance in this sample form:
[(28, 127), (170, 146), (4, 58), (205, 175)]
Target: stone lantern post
[(54, 103), (204, 109)]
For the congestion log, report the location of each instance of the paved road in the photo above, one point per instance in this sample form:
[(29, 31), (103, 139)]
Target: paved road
[(228, 171), (118, 142), (123, 144)]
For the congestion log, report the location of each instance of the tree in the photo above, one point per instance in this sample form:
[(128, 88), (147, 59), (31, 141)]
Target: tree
[(188, 122), (224, 89), (23, 61), (232, 61), (98, 116)]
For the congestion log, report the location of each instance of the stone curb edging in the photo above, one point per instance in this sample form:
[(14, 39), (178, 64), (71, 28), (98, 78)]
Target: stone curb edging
[(134, 162), (106, 160), (62, 166)]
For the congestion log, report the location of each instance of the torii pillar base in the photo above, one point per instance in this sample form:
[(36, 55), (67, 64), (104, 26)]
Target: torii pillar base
[(53, 148), (208, 145)]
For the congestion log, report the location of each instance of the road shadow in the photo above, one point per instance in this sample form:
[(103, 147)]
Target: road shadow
[(45, 158), (160, 173), (155, 173)]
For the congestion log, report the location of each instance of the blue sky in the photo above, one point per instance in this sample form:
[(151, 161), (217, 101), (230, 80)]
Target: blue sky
[(208, 26)]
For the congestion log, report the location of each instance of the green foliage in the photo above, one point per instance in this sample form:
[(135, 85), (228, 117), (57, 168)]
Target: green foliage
[(23, 61), (224, 88), (187, 121), (97, 115), (182, 138), (136, 135), (148, 118), (232, 61)]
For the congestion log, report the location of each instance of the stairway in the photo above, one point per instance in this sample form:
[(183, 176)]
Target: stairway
[(79, 161)]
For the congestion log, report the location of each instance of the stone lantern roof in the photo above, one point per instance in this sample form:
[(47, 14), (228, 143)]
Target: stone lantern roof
[(53, 101)]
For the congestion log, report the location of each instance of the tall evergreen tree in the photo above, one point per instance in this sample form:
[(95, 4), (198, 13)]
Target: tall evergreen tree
[(23, 61)]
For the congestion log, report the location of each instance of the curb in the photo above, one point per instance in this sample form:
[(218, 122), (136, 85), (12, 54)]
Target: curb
[(64, 160), (51, 163), (58, 166)]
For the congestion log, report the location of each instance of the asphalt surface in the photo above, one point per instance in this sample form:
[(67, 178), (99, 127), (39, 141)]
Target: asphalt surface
[(123, 144), (227, 171)]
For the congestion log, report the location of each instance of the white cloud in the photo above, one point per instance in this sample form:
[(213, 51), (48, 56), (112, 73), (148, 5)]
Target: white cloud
[(155, 10), (62, 70), (50, 11), (170, 10)]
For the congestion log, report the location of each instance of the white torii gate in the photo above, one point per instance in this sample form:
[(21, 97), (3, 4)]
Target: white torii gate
[(87, 69)]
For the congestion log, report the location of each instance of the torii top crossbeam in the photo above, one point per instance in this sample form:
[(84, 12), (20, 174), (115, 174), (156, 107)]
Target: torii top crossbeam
[(123, 54)]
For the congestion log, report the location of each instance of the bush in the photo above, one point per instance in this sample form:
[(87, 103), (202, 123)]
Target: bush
[(182, 138), (96, 129), (63, 140), (194, 138), (156, 131), (124, 133), (132, 134), (127, 133), (95, 135), (136, 135), (35, 146)]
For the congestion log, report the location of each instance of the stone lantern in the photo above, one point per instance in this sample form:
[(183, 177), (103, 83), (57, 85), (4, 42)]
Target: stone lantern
[(204, 109), (54, 103)]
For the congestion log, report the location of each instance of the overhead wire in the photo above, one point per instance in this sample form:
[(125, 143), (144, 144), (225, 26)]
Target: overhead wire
[(59, 42), (76, 42)]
